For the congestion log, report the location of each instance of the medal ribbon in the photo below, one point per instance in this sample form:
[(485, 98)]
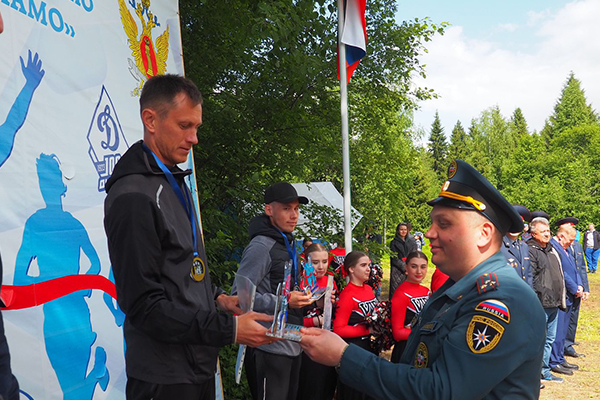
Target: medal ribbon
[(291, 253), (186, 201)]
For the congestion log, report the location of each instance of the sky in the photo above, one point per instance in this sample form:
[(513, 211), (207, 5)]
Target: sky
[(511, 53)]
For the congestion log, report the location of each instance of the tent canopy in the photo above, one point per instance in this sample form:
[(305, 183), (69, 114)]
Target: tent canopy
[(324, 193)]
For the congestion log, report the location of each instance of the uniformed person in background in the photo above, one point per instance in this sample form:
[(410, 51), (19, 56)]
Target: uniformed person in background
[(575, 251), (481, 335), (516, 250)]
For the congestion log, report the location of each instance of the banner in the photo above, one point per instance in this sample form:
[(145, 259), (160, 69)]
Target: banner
[(71, 72)]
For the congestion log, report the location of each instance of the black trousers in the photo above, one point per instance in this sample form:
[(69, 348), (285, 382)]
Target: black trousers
[(572, 330), (345, 392), (140, 390), (272, 376), (317, 381)]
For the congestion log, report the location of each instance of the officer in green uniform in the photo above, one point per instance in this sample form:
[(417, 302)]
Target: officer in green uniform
[(481, 335)]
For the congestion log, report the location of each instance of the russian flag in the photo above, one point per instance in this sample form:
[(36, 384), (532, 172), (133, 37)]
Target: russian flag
[(354, 35)]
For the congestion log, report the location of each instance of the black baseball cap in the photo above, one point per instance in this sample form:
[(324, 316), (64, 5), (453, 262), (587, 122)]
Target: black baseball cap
[(283, 192), (467, 189)]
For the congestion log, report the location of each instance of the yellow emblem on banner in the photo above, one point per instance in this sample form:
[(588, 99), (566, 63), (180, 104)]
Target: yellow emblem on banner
[(483, 334), (198, 269), (150, 58)]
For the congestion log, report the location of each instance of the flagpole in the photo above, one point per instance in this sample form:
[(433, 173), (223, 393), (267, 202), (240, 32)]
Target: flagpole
[(345, 138)]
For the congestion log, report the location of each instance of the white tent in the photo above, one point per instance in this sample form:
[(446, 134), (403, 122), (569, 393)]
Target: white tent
[(324, 193)]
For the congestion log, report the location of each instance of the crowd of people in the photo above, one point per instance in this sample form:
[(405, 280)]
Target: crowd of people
[(482, 331), (554, 267)]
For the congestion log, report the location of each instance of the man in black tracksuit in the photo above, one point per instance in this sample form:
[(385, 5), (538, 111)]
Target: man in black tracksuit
[(172, 328), (273, 370)]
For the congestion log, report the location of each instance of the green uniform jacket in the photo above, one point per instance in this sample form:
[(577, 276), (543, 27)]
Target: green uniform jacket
[(479, 338)]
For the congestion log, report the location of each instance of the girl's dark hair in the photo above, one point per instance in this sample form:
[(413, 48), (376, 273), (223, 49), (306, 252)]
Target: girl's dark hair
[(416, 254), (406, 224), (352, 259), (314, 247)]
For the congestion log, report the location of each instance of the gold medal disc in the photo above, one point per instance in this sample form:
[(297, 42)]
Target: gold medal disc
[(198, 269)]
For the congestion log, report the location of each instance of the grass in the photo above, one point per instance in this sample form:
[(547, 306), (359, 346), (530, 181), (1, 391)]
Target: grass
[(585, 383)]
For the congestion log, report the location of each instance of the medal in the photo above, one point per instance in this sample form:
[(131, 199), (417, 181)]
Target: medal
[(198, 270)]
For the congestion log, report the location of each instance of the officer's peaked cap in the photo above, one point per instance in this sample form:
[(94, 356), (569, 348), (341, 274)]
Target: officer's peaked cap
[(467, 189)]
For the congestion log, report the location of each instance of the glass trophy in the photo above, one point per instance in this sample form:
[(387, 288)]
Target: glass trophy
[(246, 291), (280, 328)]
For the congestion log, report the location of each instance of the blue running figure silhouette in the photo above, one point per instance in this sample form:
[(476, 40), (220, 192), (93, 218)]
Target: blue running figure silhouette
[(33, 73), (55, 239)]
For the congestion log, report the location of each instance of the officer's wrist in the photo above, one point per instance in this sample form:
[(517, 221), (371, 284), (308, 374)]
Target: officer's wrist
[(338, 366)]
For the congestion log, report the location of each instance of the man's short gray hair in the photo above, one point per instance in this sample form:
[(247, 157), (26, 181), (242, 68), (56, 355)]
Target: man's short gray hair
[(537, 221)]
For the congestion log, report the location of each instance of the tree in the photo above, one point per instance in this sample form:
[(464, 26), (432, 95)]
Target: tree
[(518, 124), (267, 70), (458, 142), (438, 148), (571, 109)]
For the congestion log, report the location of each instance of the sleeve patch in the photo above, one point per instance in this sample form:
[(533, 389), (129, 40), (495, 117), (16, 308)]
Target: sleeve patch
[(496, 308), (422, 356), (483, 334)]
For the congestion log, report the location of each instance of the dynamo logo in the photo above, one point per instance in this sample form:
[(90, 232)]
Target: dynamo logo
[(106, 139)]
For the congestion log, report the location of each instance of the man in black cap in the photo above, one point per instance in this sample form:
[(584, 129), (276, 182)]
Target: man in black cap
[(516, 250), (273, 369), (480, 335)]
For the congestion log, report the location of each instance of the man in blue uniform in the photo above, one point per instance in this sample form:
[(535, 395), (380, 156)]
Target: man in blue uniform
[(516, 250), (574, 289), (576, 251), (481, 335)]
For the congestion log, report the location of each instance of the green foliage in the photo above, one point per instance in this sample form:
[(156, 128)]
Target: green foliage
[(438, 148), (267, 70), (458, 143), (518, 124), (231, 390), (571, 109)]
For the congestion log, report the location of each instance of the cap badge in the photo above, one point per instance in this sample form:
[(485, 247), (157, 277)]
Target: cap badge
[(452, 169)]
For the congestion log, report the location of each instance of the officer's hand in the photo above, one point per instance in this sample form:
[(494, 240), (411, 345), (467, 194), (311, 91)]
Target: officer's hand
[(250, 332), (299, 299), (322, 346), (229, 303)]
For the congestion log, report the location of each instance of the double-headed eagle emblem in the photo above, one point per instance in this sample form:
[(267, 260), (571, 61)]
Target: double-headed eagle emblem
[(150, 59)]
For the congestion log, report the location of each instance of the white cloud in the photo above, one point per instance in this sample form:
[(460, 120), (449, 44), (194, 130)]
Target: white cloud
[(472, 75), (508, 27)]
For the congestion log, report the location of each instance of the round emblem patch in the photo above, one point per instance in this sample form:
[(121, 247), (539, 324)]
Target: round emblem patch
[(422, 356), (483, 334), (452, 169), (198, 269)]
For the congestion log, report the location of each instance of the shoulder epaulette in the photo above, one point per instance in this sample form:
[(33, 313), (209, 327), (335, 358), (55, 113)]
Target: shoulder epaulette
[(487, 283)]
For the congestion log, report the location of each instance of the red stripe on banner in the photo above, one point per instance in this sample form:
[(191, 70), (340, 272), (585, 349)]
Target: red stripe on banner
[(19, 297)]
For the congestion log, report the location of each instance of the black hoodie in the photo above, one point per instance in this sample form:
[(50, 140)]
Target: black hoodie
[(172, 328)]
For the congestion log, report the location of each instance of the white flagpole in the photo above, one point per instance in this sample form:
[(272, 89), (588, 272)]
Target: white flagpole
[(345, 138)]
